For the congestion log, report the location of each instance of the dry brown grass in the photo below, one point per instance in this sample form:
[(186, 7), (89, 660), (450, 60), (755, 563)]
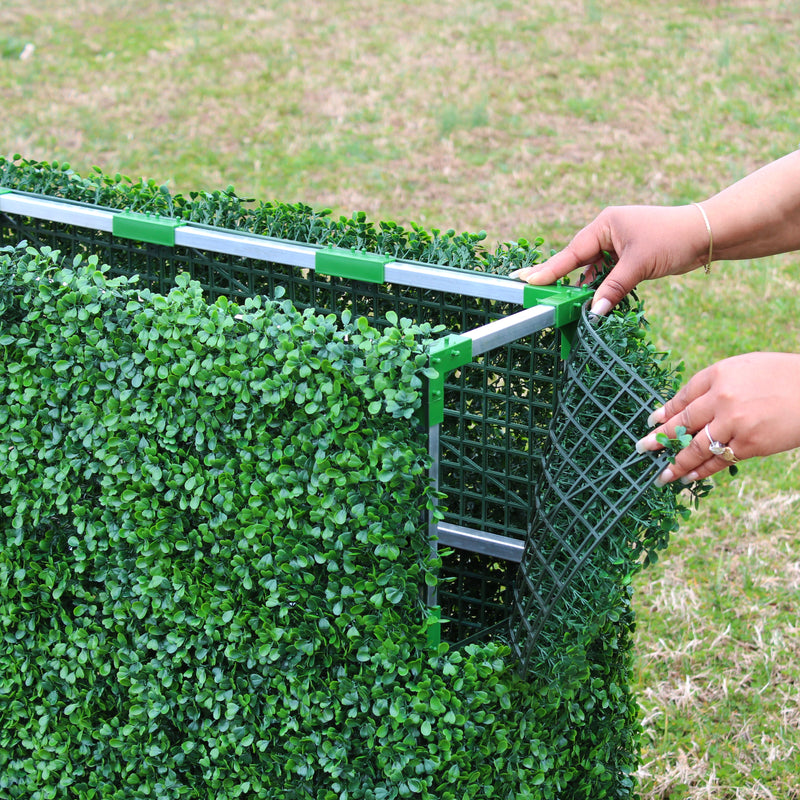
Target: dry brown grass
[(720, 657)]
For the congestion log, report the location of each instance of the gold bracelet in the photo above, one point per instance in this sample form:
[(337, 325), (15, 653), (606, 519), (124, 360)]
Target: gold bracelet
[(707, 265)]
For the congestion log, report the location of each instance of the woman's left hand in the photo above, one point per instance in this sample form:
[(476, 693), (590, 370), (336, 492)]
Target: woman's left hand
[(749, 404)]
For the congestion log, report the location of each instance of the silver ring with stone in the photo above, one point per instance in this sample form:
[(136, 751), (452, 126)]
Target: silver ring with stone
[(718, 449)]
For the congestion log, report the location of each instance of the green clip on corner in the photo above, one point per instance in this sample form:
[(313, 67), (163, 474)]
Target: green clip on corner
[(434, 628), (448, 353), (358, 265), (148, 228), (567, 302)]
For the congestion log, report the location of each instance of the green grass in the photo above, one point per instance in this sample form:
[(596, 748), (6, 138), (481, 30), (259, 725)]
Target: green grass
[(521, 119)]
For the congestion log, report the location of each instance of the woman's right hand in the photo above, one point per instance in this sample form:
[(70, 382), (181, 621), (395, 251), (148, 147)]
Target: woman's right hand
[(645, 242)]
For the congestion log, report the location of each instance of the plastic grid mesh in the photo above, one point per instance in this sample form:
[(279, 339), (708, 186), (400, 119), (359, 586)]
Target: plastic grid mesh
[(497, 411), (591, 478), (477, 596)]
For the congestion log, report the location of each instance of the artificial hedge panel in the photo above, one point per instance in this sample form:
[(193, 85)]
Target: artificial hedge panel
[(292, 221), (212, 532), (599, 516), (213, 545)]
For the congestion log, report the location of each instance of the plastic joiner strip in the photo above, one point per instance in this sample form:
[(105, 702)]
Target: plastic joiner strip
[(152, 229), (358, 265)]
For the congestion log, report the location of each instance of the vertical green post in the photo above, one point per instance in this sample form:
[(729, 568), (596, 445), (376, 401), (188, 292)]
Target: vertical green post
[(448, 353)]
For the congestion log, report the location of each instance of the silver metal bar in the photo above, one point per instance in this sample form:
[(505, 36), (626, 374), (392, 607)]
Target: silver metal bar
[(417, 276), (57, 211), (237, 244), (432, 595), (510, 328), (473, 284), (489, 544)]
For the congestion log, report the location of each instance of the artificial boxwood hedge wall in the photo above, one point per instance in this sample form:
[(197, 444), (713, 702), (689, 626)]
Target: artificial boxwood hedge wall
[(211, 558)]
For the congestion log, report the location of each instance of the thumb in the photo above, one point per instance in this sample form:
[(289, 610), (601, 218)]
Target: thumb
[(586, 248), (616, 285)]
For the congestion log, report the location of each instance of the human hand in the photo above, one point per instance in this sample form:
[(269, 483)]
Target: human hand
[(645, 241), (750, 405)]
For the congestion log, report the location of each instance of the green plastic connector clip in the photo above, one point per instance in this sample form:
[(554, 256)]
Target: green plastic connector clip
[(434, 628), (567, 300), (5, 190), (447, 354), (149, 228), (356, 265)]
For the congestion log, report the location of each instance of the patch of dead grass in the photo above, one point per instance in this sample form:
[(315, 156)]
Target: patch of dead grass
[(721, 674)]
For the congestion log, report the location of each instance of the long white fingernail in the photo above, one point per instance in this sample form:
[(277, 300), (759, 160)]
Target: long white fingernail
[(656, 418), (690, 478), (665, 477), (647, 444), (601, 307)]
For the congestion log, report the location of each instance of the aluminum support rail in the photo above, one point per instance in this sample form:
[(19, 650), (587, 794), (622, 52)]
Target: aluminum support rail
[(246, 245), (448, 279), (510, 328), (488, 544), (61, 211)]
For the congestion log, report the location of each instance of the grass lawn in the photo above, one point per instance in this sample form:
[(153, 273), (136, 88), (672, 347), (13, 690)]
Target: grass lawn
[(521, 119)]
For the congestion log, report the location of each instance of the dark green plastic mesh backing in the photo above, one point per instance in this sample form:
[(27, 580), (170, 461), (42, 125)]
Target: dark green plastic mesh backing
[(591, 479), (497, 410)]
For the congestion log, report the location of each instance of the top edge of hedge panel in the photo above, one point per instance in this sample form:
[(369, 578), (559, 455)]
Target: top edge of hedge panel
[(324, 258)]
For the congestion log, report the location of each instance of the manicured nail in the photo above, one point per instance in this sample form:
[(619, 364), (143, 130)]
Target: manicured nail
[(690, 478), (601, 307), (522, 274), (665, 477), (656, 418), (647, 444)]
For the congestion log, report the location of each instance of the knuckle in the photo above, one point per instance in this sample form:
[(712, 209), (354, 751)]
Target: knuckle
[(609, 214), (615, 286), (687, 420), (676, 404)]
